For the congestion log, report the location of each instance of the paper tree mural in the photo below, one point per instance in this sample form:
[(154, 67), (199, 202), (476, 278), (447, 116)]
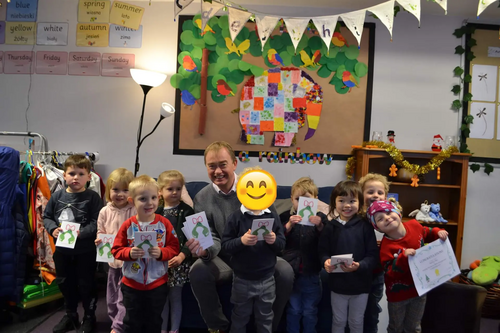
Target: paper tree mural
[(279, 101)]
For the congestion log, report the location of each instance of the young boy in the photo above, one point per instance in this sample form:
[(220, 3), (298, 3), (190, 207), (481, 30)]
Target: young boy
[(301, 251), (144, 283), (253, 264), (75, 268)]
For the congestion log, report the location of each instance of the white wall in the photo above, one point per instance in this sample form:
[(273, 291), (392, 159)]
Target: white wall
[(413, 76)]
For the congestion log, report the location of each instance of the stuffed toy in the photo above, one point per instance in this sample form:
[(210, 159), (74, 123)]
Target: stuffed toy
[(422, 214), (487, 272), (436, 214)]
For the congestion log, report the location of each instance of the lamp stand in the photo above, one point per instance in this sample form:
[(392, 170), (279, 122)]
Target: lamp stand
[(145, 89)]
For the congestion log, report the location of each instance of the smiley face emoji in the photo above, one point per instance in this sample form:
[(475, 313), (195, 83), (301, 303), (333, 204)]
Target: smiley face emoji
[(256, 189)]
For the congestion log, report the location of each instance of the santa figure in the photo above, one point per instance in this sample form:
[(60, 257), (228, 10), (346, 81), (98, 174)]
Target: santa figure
[(437, 143)]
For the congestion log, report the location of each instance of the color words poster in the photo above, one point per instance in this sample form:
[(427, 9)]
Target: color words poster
[(93, 11), (84, 63), (1, 62), (126, 15), (22, 10), (19, 62), (52, 34), (117, 64), (90, 34), (52, 63), (2, 32), (20, 33), (125, 37), (3, 10)]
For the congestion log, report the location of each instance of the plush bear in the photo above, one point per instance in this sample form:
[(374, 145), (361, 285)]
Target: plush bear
[(436, 214), (422, 214), (487, 272)]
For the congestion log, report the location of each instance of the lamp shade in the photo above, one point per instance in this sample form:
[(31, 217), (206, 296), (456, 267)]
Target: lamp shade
[(166, 110), (147, 78)]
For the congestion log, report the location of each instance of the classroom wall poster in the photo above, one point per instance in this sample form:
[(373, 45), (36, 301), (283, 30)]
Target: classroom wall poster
[(20, 33), (84, 63), (92, 35), (126, 15), (22, 10), (1, 62), (2, 32), (3, 10), (484, 83), (52, 63), (19, 62), (117, 64), (125, 37), (93, 11), (52, 34), (483, 126)]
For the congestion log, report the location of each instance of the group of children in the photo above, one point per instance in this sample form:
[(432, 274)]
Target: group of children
[(143, 292)]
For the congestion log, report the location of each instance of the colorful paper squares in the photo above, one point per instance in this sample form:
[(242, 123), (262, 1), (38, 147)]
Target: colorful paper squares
[(281, 97), (261, 81), (258, 103), (299, 102), (274, 78), (260, 91), (253, 129), (266, 115), (272, 89), (255, 117), (298, 92), (296, 76), (267, 126), (279, 110), (283, 139), (246, 105), (256, 139), (245, 117), (314, 109), (279, 124), (269, 103), (289, 105), (288, 90), (286, 78), (291, 127), (247, 93), (291, 117)]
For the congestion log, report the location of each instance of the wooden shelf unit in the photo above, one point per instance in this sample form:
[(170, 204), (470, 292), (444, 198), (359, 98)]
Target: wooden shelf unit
[(450, 191)]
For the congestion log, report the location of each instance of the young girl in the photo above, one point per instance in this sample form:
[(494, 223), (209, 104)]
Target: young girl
[(348, 234), (111, 217), (375, 187), (171, 184), (401, 240)]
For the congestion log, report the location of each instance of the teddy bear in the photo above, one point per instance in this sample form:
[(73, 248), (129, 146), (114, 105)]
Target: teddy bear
[(422, 214), (436, 214), (487, 272)]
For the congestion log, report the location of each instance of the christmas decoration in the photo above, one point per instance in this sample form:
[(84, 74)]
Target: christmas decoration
[(414, 181), (393, 170), (438, 173), (437, 143), (390, 137)]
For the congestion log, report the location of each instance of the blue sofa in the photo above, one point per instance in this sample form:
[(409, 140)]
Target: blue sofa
[(191, 317)]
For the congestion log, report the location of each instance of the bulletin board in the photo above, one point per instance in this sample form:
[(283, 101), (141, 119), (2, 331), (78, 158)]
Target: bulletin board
[(345, 117), (484, 138)]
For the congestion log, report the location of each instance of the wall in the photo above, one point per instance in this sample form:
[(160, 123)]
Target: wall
[(413, 76)]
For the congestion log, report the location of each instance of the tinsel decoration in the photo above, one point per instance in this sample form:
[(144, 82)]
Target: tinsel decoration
[(400, 161)]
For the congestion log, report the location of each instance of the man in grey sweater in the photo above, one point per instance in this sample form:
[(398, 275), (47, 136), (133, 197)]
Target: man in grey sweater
[(218, 200)]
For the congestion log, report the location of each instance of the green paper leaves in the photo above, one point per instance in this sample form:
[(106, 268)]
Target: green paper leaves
[(467, 97), (469, 119), (470, 56), (458, 71), (456, 105), (459, 32), (471, 42), (468, 78), (475, 167), (488, 168), (459, 50), (456, 89)]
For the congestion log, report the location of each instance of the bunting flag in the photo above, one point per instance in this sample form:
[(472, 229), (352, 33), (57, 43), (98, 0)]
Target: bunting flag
[(443, 4), (209, 9), (385, 13), (179, 5), (237, 20), (412, 6), (265, 26), (295, 28), (354, 21), (482, 6), (326, 27)]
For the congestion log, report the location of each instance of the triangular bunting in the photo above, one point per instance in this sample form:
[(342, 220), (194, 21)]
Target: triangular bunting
[(265, 26), (482, 6), (326, 27), (385, 13), (354, 21), (412, 6), (443, 4), (237, 20), (295, 28), (208, 10), (179, 5)]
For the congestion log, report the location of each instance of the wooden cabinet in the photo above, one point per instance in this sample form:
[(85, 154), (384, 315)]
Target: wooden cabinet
[(449, 191)]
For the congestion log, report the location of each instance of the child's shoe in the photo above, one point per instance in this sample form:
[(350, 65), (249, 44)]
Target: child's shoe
[(68, 323), (88, 324)]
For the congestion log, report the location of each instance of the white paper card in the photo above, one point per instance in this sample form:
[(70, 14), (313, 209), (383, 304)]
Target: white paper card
[(262, 227), (340, 259), (198, 228), (52, 34), (69, 234), (483, 126), (484, 83), (144, 240), (104, 249), (433, 265), (493, 52), (307, 207)]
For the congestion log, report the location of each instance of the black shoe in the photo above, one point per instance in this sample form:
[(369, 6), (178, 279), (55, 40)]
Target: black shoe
[(68, 323), (88, 324)]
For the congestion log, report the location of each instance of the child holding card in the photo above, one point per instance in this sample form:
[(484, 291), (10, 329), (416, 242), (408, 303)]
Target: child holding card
[(144, 284), (171, 184), (348, 234), (301, 251), (75, 267), (253, 264), (111, 217)]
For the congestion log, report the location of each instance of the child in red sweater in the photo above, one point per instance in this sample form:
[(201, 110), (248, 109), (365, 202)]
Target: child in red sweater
[(401, 240), (144, 284)]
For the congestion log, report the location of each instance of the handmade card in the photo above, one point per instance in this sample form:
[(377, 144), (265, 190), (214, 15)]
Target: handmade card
[(67, 237), (197, 227), (104, 249), (339, 260), (262, 227), (307, 207), (145, 240)]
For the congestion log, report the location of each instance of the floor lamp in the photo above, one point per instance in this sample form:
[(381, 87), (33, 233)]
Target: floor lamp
[(147, 80)]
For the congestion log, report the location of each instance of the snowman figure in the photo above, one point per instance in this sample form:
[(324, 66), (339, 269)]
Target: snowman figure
[(437, 143)]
